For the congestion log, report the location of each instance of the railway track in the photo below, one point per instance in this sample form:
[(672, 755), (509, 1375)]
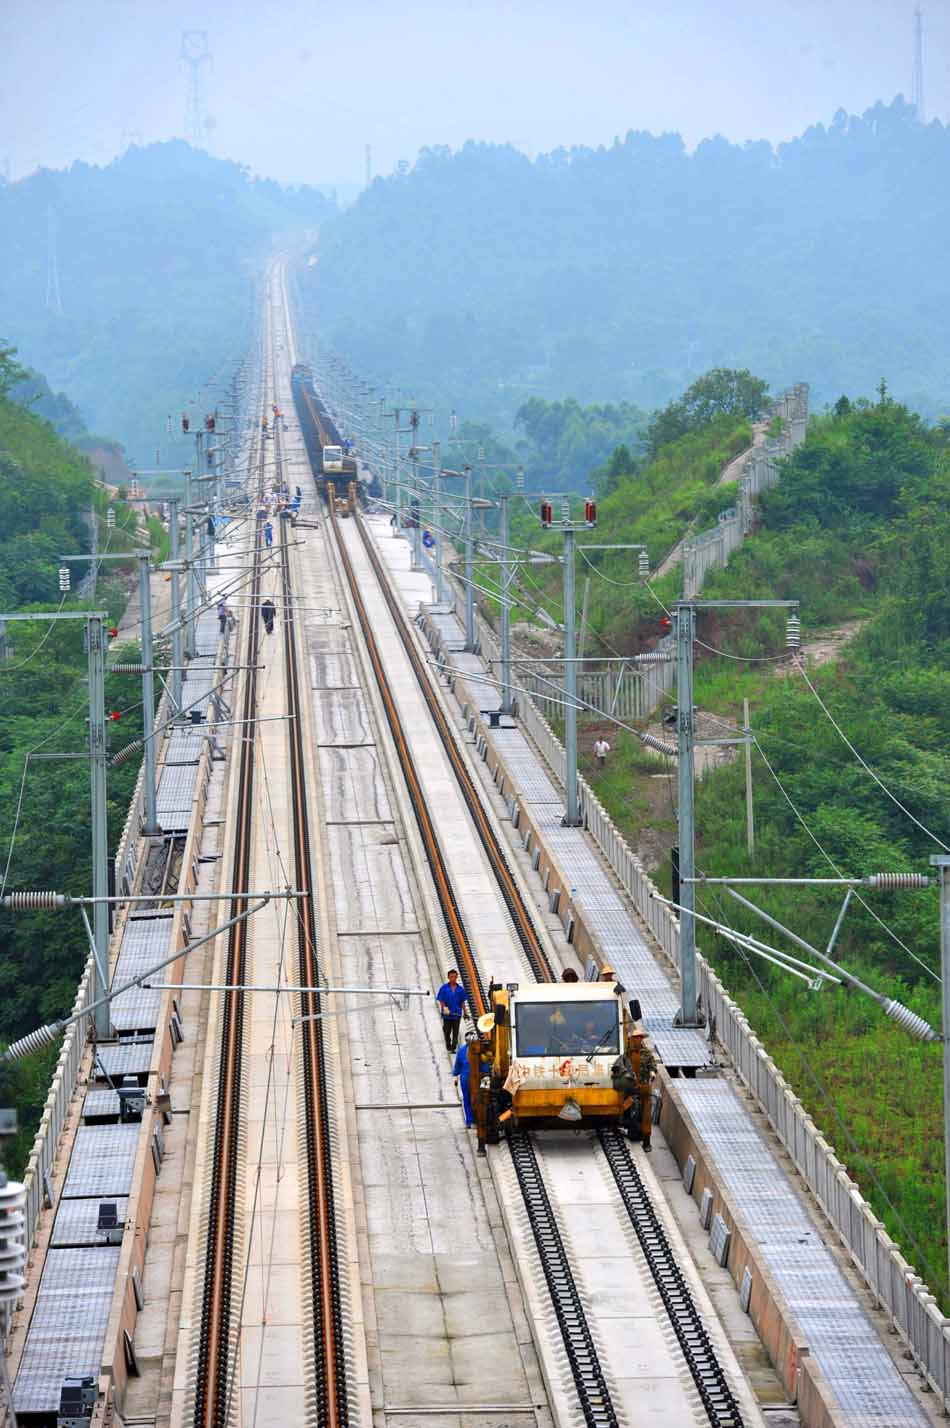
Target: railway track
[(590, 1380), (214, 1369), (217, 1367), (329, 1367)]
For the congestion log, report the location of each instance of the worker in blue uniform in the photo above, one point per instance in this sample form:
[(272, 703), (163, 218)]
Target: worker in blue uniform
[(452, 999), (461, 1071)]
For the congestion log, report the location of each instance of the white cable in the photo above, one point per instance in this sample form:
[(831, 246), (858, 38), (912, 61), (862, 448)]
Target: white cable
[(15, 668), (837, 871), (864, 764)]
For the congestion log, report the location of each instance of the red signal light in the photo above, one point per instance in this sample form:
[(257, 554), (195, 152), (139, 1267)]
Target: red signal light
[(185, 423), (665, 623), (547, 513), (112, 631), (590, 513), (114, 715)]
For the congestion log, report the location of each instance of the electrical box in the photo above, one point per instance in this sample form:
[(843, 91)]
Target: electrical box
[(77, 1399)]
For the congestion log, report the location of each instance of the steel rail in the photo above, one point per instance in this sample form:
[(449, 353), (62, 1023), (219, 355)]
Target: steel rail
[(718, 1398), (458, 935), (592, 1391), (330, 1365), (214, 1368), (520, 914), (699, 1352)]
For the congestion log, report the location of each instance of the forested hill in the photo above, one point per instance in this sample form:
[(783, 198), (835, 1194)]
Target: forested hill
[(622, 272), (159, 255)]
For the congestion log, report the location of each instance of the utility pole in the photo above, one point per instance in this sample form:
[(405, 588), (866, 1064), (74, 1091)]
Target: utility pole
[(96, 652), (684, 628), (191, 576), (749, 815), (469, 571), (506, 574), (684, 623), (195, 54), (440, 590), (175, 592), (568, 528), (151, 829), (941, 861), (572, 815), (94, 567)]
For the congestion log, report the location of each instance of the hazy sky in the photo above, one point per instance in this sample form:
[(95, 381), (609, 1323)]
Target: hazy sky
[(297, 89)]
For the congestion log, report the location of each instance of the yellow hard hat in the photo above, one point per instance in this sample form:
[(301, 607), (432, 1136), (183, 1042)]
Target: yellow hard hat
[(486, 1023)]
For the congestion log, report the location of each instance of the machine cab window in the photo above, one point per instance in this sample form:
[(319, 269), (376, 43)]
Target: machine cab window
[(566, 1028), (333, 458)]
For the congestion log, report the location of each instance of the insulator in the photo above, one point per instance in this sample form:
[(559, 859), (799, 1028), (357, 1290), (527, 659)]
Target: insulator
[(652, 657), (650, 741), (643, 564), (110, 517), (793, 632), (35, 1041), (34, 900), (12, 1243), (64, 577), (910, 1021), (894, 882), (127, 669), (123, 756)]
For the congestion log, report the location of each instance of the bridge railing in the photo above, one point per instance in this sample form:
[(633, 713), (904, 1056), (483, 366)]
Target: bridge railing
[(711, 549)]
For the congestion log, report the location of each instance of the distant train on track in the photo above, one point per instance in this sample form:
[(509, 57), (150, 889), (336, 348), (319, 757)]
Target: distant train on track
[(325, 448)]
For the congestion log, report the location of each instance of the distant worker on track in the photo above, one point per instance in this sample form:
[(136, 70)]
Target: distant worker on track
[(268, 612), (223, 616), (453, 1002), (268, 534), (601, 750)]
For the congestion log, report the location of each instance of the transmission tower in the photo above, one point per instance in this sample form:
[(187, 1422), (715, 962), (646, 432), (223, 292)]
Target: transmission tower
[(54, 302), (195, 55), (917, 88)]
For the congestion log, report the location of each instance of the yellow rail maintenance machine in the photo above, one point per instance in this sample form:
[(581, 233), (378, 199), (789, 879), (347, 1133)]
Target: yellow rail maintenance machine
[(561, 1055)]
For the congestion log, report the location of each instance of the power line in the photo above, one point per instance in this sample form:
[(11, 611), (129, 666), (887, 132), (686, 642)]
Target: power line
[(829, 1099), (865, 765), (15, 668), (833, 865)]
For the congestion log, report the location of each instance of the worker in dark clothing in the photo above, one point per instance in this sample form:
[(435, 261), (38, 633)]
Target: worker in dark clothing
[(568, 975), (223, 616), (453, 1001), (268, 533), (268, 611)]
